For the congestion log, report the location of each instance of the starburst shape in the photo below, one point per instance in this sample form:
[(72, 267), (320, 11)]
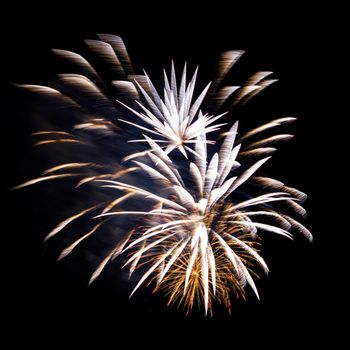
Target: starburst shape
[(197, 234), (176, 118), (203, 244)]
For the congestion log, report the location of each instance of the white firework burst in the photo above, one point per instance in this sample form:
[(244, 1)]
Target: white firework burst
[(199, 239), (175, 118), (198, 226)]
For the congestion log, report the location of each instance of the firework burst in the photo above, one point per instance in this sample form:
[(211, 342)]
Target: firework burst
[(175, 119), (197, 240)]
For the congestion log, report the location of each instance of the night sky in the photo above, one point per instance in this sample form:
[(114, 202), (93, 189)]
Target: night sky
[(296, 299)]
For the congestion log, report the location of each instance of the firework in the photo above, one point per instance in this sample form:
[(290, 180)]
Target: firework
[(197, 240), (175, 120)]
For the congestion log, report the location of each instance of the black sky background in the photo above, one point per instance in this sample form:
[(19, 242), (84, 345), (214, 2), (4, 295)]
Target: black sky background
[(297, 303)]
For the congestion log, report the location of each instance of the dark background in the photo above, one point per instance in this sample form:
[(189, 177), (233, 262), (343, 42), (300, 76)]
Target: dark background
[(298, 298)]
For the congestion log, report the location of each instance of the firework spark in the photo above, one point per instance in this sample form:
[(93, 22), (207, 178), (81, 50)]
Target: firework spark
[(202, 245), (175, 119), (198, 238)]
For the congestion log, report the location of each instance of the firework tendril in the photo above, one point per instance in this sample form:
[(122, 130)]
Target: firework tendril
[(196, 239)]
